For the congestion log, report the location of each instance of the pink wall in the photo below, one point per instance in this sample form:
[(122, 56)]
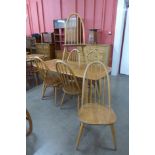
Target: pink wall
[(100, 14)]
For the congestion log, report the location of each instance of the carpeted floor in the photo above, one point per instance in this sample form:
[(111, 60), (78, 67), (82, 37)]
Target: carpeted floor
[(55, 130)]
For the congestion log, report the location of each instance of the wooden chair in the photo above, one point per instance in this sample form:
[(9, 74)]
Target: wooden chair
[(74, 34), (68, 79), (49, 80), (31, 73), (95, 107), (28, 118), (74, 55)]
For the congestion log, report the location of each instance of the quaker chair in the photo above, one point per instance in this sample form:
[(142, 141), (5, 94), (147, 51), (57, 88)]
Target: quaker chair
[(69, 80), (95, 107), (49, 80), (28, 118), (74, 55), (74, 34)]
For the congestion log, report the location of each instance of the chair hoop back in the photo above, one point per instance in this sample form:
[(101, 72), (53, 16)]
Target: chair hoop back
[(66, 75), (42, 67), (74, 55), (74, 30), (74, 33), (94, 91)]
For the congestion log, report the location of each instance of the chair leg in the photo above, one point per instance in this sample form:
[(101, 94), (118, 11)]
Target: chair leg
[(36, 79), (78, 104), (55, 93), (113, 135), (43, 89), (62, 99), (79, 135), (28, 117)]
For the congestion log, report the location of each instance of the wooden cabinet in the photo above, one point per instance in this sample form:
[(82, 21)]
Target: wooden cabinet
[(47, 49), (104, 52)]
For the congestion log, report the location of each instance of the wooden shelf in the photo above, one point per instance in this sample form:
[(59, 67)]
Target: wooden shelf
[(59, 38), (59, 34)]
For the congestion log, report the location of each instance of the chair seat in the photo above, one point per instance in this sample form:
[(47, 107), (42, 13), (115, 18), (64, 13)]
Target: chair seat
[(52, 81), (93, 113)]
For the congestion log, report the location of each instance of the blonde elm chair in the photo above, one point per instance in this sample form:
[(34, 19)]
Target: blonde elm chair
[(95, 107), (68, 79), (74, 55), (74, 34), (49, 80)]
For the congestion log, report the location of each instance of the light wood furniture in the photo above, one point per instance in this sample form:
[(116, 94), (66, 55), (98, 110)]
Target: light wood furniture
[(104, 52), (74, 34), (68, 79), (49, 80), (95, 108), (48, 50), (74, 55), (31, 71), (28, 118), (78, 70), (92, 56), (31, 57)]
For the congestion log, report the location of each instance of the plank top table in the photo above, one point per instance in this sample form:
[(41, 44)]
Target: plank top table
[(30, 57), (78, 69)]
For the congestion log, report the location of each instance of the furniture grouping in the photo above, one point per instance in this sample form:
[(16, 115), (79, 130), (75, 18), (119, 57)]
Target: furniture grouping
[(81, 74)]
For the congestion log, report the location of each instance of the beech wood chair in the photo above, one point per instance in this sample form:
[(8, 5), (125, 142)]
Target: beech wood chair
[(68, 79), (95, 107), (49, 80), (74, 34), (74, 55)]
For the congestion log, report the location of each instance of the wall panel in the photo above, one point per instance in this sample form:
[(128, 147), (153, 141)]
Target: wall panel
[(34, 16), (100, 14), (68, 7), (80, 7), (108, 27), (89, 16), (99, 18), (28, 22), (51, 11)]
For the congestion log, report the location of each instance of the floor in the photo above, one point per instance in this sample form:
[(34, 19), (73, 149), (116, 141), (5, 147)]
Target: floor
[(55, 129)]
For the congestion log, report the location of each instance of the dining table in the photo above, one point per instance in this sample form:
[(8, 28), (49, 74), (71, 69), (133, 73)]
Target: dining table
[(31, 57), (78, 69)]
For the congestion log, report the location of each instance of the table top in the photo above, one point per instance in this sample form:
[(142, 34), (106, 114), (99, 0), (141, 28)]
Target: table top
[(77, 69), (30, 57)]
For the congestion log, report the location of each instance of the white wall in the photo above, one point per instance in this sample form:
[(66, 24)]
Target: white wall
[(118, 36), (125, 53)]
